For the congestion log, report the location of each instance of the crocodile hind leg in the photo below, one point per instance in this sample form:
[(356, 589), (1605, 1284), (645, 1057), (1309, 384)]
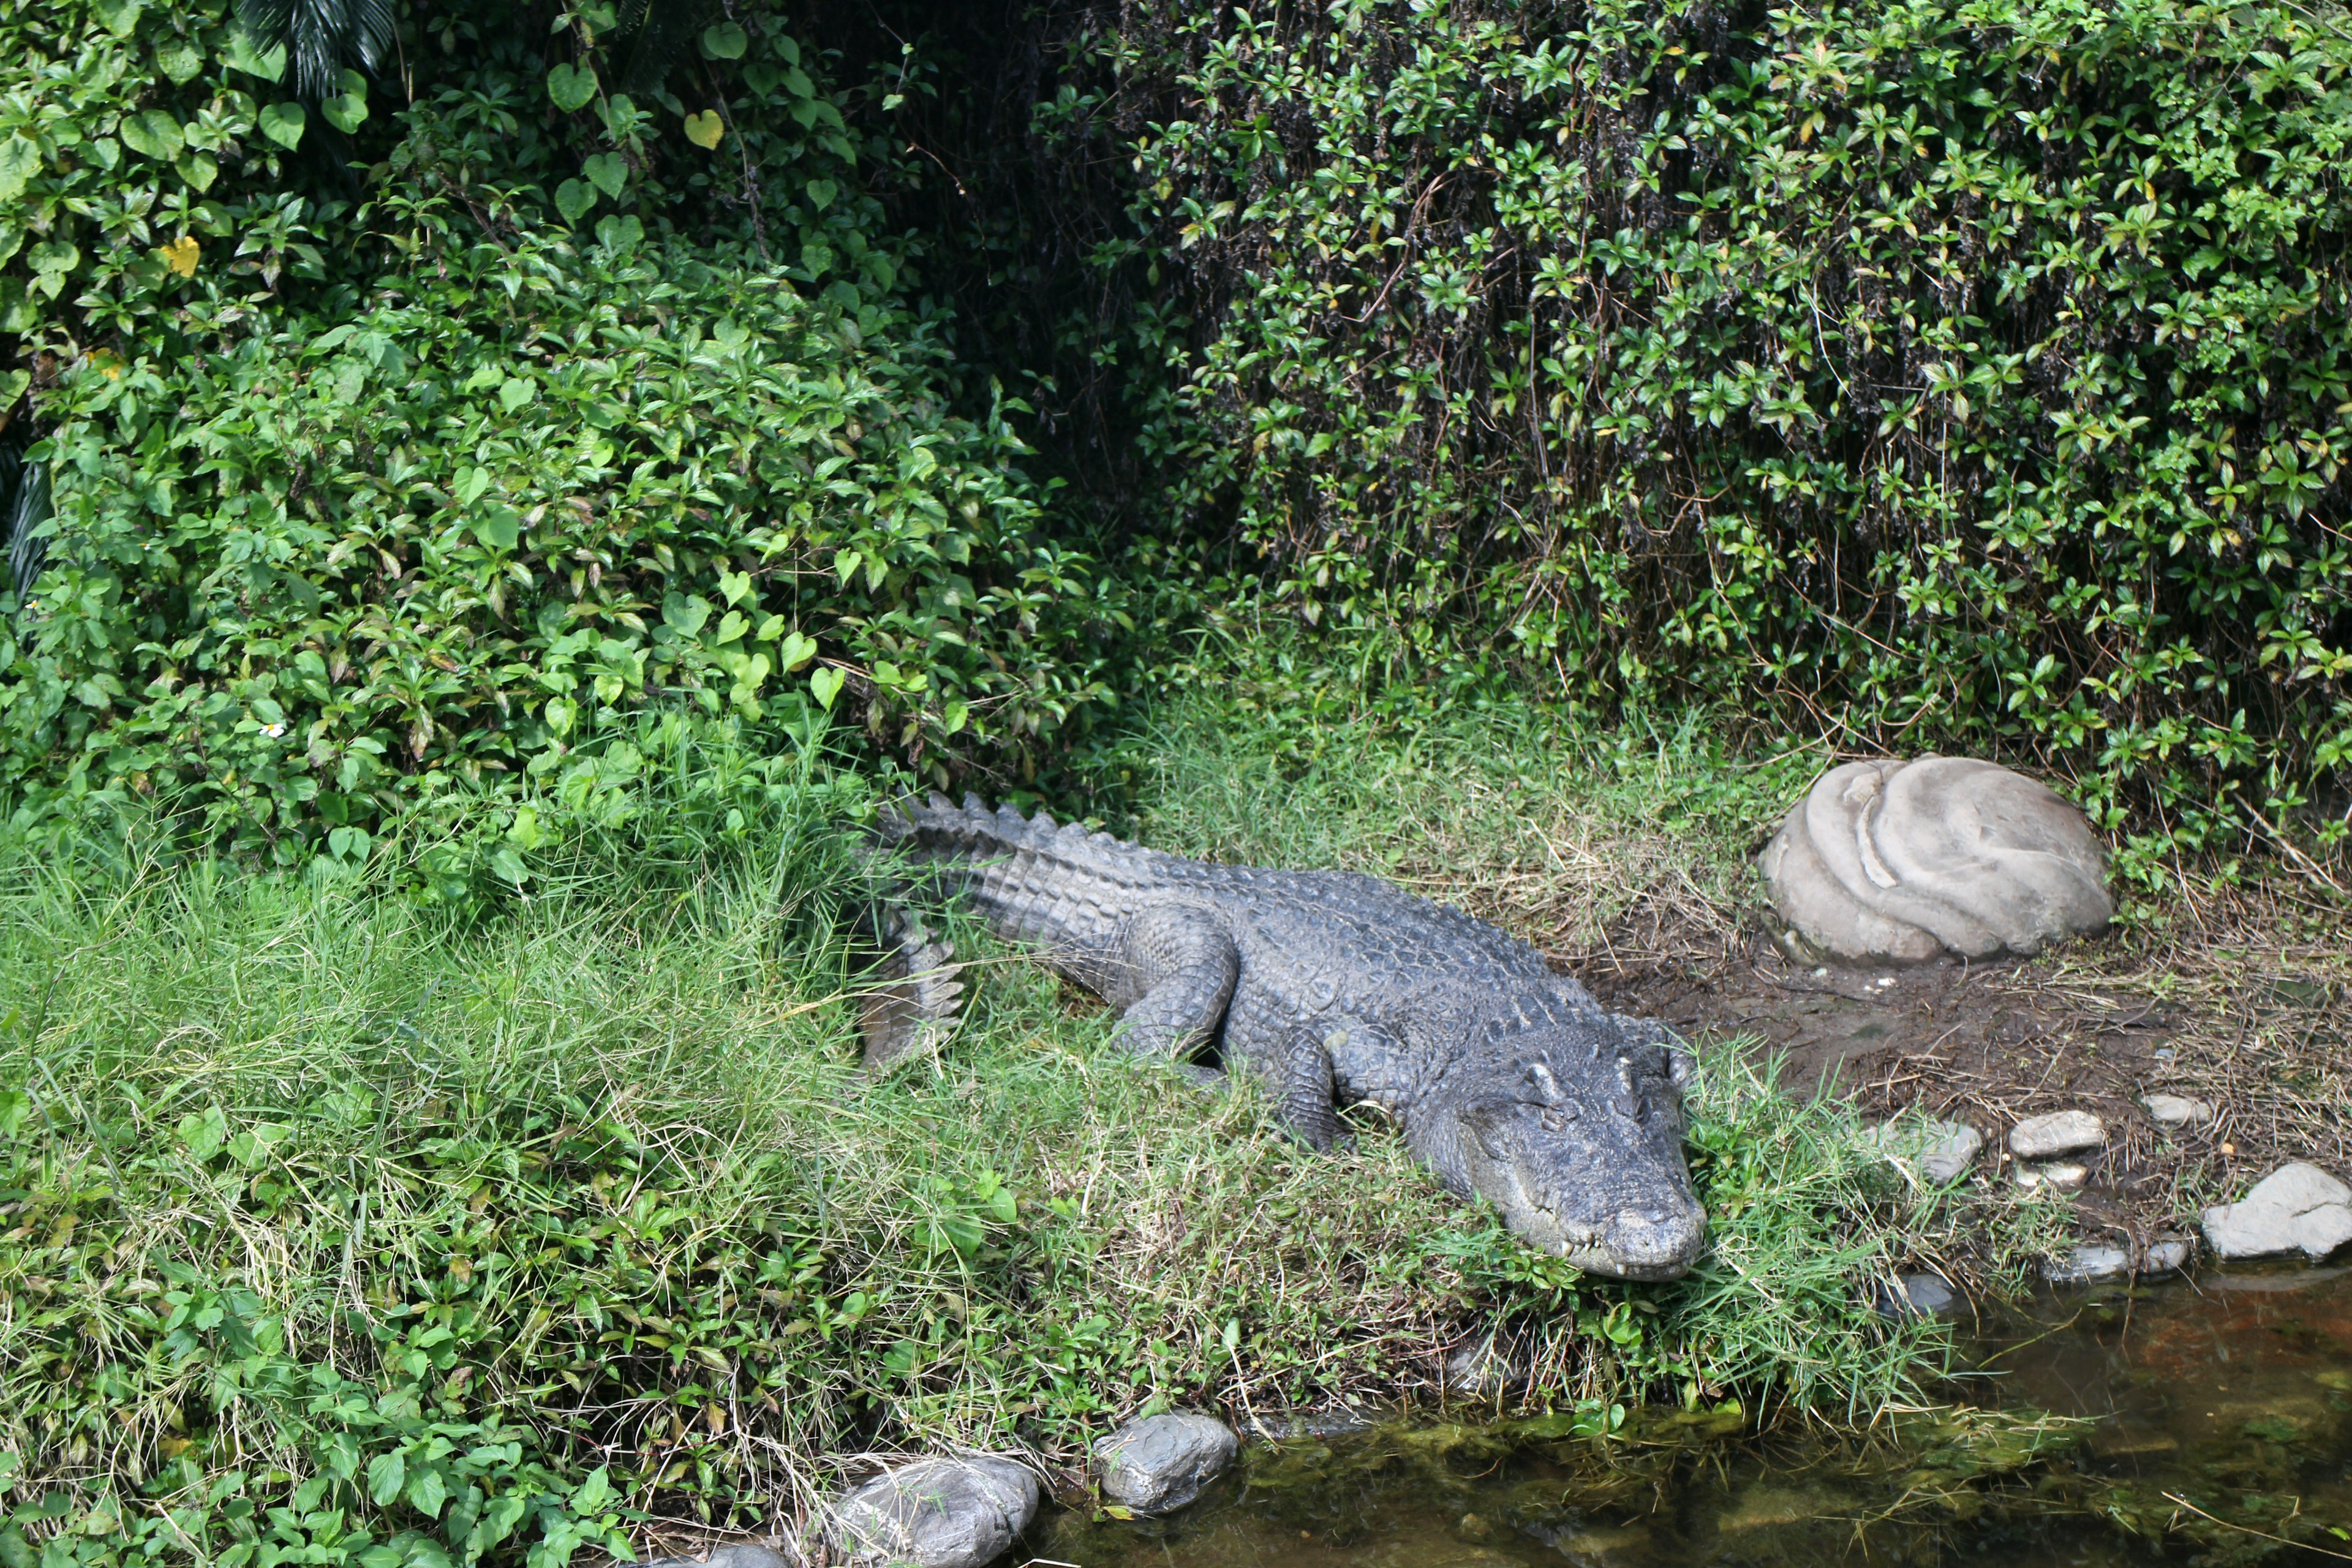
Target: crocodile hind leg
[(1302, 1086), (1179, 967)]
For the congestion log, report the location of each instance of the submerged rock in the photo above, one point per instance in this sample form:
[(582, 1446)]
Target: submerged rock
[(2296, 1208), (2165, 1257), (1896, 862), (2059, 1133), (1926, 1295), (2088, 1265), (1161, 1462), (1942, 1150), (935, 1514)]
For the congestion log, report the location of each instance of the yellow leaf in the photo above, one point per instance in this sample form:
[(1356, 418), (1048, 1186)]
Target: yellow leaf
[(180, 254), (704, 129)]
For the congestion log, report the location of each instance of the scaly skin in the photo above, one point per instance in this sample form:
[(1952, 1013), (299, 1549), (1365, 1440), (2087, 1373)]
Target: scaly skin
[(1510, 1081)]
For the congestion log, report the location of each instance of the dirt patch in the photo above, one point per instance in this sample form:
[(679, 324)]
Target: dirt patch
[(2236, 1000)]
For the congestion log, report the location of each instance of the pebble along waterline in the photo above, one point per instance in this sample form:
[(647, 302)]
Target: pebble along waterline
[(2193, 1421)]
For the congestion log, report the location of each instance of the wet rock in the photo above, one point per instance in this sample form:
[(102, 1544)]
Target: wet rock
[(2059, 1175), (1897, 862), (740, 1554), (935, 1514), (1925, 1295), (2296, 1208), (2165, 1257), (1161, 1462), (2059, 1133), (2088, 1265), (1479, 1370), (2178, 1110)]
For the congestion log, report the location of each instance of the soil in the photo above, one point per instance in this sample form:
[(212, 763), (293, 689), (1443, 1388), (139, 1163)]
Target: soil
[(2218, 1000)]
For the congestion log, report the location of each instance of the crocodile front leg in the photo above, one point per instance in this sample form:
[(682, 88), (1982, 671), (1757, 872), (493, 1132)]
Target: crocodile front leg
[(1181, 965)]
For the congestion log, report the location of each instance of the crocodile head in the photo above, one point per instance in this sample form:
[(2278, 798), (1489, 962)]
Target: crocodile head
[(1580, 1147)]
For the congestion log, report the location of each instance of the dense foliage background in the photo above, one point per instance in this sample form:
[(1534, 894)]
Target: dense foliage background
[(416, 443), (1925, 374)]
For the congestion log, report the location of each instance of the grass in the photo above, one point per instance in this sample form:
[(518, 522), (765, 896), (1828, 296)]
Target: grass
[(340, 1225)]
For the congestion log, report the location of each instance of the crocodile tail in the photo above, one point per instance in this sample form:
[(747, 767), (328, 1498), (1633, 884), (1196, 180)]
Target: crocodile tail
[(1033, 879), (914, 1008)]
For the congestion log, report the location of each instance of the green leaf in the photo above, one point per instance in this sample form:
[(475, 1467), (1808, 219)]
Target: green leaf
[(387, 1473), (570, 87), (55, 256), (497, 526), (205, 1134), (283, 123), (15, 1105), (269, 64), (179, 61), (825, 684), (795, 651), (608, 172), (346, 112), (518, 391), (119, 18), (20, 160), (593, 1494), (198, 170), (154, 134), (705, 128), (620, 234), (724, 41), (573, 199), (426, 1491), (471, 483), (820, 194)]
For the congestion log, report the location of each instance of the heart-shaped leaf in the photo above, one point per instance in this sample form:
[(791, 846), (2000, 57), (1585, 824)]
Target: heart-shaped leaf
[(198, 170), (570, 87), (820, 193), (724, 41), (19, 161), (180, 254), (518, 391), (608, 172), (620, 234), (705, 128), (283, 123), (573, 199), (794, 651), (826, 685), (471, 483), (346, 112)]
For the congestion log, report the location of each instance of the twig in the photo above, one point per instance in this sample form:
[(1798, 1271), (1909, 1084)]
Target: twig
[(2250, 1530)]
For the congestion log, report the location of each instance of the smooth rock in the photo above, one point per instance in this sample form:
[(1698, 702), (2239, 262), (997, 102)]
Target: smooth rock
[(935, 1514), (2060, 1175), (2086, 1264), (2296, 1208), (1161, 1462), (2165, 1257), (1895, 862), (738, 1554), (2059, 1133), (2178, 1110)]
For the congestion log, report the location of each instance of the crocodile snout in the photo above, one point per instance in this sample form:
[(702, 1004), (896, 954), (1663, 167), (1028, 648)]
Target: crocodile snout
[(1651, 1243)]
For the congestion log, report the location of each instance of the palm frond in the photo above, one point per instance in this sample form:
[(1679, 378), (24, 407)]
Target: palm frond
[(320, 37)]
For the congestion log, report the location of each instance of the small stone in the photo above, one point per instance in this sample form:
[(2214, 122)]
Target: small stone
[(740, 1554), (2178, 1110), (2086, 1265), (2165, 1257), (1943, 1149), (1479, 1370), (2297, 1207), (2059, 1133), (2059, 1175), (1930, 1295), (935, 1514), (1161, 1462)]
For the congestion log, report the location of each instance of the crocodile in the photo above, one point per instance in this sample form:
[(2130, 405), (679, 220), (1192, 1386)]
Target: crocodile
[(1510, 1081)]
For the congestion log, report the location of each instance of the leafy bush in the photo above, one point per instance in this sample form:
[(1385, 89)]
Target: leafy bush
[(1931, 374), (362, 508)]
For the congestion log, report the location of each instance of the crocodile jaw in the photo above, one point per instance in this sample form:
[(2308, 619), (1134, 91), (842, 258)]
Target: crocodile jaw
[(1651, 1238)]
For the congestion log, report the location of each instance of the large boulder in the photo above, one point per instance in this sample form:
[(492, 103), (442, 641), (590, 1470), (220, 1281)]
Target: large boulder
[(2295, 1208), (935, 1514), (1161, 1462), (1898, 862)]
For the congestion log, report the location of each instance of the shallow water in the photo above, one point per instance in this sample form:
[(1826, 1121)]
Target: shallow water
[(2231, 1394)]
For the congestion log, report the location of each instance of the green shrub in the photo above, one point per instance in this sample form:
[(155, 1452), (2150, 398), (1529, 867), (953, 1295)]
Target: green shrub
[(1929, 374), (366, 507)]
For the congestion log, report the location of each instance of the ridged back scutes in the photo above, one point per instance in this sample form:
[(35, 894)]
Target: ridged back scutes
[(972, 833)]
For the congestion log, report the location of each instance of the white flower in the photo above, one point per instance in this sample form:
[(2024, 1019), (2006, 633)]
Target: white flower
[(273, 731)]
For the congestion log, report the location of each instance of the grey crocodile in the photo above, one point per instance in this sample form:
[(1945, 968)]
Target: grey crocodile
[(1510, 1081)]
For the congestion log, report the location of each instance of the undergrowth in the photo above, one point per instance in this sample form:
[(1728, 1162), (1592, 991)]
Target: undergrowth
[(339, 1226)]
